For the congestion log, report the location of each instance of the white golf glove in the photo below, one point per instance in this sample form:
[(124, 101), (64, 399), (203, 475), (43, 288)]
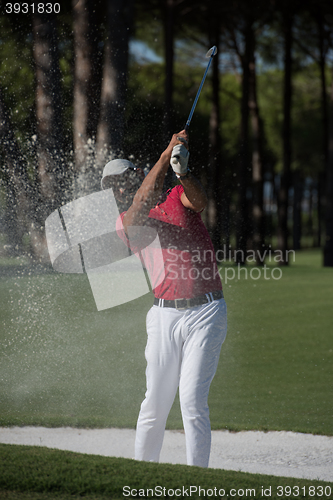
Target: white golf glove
[(179, 159)]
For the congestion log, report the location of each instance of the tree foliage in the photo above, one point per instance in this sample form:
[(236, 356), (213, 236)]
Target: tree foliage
[(141, 103)]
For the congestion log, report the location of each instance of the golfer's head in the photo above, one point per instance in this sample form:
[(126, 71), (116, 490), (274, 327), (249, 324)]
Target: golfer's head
[(123, 177)]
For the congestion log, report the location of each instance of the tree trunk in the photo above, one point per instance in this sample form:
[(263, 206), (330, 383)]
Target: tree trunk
[(322, 65), (169, 20), (50, 178), (257, 162), (320, 209), (168, 12), (217, 213), (285, 177), (21, 200), (310, 222), (328, 249), (87, 87), (325, 118), (110, 133), (242, 178), (48, 113), (297, 211)]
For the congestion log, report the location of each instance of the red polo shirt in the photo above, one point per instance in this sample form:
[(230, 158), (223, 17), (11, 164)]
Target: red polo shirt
[(181, 262)]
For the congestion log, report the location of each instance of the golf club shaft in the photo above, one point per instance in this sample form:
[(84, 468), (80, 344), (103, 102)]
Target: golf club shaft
[(211, 53), (214, 50)]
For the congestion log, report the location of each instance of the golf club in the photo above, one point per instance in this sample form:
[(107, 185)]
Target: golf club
[(210, 54)]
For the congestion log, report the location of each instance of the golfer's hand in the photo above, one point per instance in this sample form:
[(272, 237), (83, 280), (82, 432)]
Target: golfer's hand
[(179, 159), (180, 138)]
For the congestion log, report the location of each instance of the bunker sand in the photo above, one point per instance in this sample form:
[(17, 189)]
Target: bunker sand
[(287, 454)]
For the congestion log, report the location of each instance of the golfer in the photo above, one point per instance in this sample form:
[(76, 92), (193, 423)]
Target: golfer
[(187, 323)]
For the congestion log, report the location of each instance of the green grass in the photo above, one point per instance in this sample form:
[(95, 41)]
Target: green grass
[(278, 359), (64, 363), (38, 473)]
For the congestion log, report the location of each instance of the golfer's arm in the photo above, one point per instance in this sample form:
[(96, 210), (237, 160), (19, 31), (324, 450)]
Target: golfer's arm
[(147, 195), (194, 196)]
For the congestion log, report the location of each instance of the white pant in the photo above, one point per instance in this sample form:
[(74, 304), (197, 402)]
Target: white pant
[(182, 350)]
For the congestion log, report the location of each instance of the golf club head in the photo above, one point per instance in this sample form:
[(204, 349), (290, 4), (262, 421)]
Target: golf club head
[(212, 52)]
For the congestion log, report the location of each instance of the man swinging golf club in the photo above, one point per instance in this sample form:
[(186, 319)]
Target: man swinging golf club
[(187, 324)]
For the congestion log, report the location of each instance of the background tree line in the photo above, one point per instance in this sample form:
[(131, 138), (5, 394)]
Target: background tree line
[(74, 92)]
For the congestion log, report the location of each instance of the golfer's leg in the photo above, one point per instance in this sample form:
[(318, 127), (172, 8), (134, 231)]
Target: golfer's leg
[(162, 378), (200, 359)]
